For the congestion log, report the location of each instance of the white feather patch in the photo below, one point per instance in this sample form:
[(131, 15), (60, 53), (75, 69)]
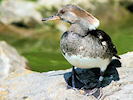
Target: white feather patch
[(94, 25), (87, 62), (104, 43)]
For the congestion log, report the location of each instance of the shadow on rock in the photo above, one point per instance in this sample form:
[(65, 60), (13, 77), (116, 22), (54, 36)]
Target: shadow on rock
[(90, 76)]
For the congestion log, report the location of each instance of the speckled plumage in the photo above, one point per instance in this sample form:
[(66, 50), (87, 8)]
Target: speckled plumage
[(95, 49), (88, 45)]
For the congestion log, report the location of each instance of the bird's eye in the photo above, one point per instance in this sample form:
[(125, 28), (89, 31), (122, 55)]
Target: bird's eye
[(62, 11)]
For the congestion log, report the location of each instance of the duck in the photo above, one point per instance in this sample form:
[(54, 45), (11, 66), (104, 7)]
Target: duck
[(83, 45)]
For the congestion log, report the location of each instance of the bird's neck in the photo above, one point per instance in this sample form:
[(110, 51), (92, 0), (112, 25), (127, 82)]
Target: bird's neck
[(81, 27), (78, 29)]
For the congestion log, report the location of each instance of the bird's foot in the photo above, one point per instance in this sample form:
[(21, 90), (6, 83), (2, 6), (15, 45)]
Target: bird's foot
[(70, 87), (96, 92), (76, 83)]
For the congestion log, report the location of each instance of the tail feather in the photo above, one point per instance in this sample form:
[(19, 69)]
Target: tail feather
[(117, 56)]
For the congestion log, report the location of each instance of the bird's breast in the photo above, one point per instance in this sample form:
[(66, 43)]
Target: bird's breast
[(73, 44), (70, 43), (84, 52)]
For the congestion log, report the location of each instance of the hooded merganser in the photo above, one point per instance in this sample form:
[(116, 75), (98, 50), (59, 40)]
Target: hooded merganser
[(83, 45)]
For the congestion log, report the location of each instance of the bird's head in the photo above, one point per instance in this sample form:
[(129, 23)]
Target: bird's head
[(75, 15)]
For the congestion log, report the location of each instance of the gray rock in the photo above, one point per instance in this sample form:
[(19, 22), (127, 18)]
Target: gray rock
[(10, 60), (29, 85), (16, 11), (58, 3)]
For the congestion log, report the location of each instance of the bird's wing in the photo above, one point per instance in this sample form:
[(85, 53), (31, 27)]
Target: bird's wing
[(105, 38)]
